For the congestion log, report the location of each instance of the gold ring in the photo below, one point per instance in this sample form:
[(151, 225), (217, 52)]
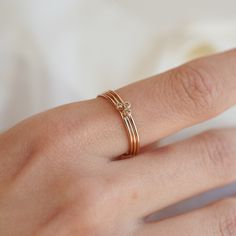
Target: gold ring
[(124, 109)]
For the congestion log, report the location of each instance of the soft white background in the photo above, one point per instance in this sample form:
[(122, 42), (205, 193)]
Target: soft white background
[(57, 51)]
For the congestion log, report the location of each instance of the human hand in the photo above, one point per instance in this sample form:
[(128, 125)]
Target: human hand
[(58, 175)]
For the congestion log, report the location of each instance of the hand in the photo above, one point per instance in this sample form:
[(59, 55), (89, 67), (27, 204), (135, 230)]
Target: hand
[(58, 175)]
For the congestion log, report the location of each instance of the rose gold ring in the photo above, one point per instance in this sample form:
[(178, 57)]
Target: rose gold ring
[(124, 109)]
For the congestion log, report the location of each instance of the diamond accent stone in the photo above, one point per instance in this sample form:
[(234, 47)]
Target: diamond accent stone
[(124, 108)]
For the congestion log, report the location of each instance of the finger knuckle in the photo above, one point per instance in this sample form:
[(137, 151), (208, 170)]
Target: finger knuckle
[(226, 218), (218, 148), (195, 84), (58, 130)]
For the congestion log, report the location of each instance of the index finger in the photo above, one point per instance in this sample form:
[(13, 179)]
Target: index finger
[(165, 104)]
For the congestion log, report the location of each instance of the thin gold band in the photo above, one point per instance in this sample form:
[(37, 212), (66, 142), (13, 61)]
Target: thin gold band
[(124, 109)]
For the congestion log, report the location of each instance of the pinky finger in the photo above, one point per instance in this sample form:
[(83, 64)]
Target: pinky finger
[(218, 219)]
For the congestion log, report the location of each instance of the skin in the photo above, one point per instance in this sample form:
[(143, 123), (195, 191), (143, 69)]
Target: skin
[(58, 175)]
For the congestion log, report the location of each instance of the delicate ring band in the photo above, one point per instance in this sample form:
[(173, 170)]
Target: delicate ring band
[(124, 109)]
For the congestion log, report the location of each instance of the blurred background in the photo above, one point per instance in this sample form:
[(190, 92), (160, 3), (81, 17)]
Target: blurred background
[(59, 51)]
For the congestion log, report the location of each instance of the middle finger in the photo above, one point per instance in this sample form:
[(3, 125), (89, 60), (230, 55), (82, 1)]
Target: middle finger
[(170, 174)]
